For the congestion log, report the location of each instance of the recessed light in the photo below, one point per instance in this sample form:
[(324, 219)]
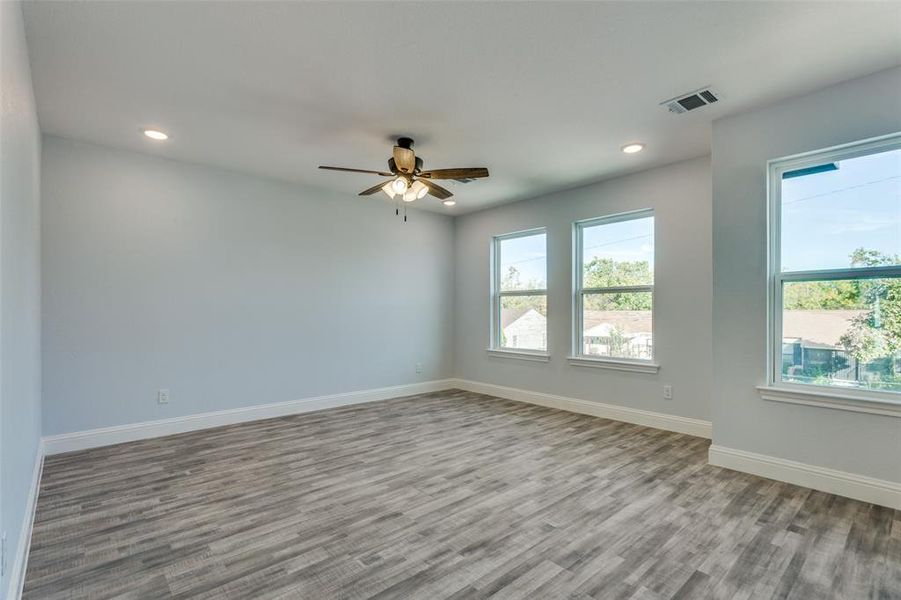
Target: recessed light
[(450, 202), (632, 148), (155, 134)]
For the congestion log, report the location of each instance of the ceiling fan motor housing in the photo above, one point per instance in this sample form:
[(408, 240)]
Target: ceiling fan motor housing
[(392, 166)]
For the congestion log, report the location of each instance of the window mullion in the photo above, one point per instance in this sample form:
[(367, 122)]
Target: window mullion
[(891, 271), (623, 289), (523, 293)]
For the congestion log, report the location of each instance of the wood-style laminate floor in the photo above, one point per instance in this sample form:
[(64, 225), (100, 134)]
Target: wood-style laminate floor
[(445, 495)]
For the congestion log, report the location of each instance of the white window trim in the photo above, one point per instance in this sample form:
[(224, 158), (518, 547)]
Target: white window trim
[(532, 355), (578, 358), (794, 393), (856, 400), (615, 364), (494, 347)]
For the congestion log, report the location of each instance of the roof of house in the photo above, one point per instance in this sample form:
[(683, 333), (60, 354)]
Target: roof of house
[(511, 315), (822, 328), (599, 322)]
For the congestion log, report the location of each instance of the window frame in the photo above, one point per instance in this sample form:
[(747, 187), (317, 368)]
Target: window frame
[(858, 400), (578, 356), (494, 346)]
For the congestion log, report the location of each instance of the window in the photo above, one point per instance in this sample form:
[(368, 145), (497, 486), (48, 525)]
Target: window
[(835, 269), (520, 292), (614, 288)]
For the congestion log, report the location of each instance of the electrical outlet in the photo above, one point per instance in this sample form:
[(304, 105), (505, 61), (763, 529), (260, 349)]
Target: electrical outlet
[(419, 367), (162, 397), (667, 392)]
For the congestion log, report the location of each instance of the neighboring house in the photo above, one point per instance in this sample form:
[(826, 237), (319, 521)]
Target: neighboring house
[(618, 332), (524, 328), (817, 328), (623, 333), (811, 342)]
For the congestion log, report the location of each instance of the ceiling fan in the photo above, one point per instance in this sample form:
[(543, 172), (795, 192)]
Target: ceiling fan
[(408, 180)]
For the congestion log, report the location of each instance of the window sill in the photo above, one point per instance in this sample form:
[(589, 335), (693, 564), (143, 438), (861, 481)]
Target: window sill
[(533, 355), (616, 364), (830, 399)]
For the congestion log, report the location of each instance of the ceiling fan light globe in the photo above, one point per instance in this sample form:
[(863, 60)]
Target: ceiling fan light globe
[(399, 185), (409, 196), (419, 189), (388, 189)]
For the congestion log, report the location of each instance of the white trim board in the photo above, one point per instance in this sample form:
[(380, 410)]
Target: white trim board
[(93, 438), (690, 426), (841, 483), (20, 561)]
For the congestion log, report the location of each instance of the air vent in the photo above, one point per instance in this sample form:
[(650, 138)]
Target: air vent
[(690, 101)]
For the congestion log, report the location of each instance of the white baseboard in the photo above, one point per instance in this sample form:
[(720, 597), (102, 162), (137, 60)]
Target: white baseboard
[(696, 427), (857, 487), (20, 560), (841, 483), (93, 438)]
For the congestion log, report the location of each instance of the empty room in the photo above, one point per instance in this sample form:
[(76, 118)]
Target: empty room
[(450, 300)]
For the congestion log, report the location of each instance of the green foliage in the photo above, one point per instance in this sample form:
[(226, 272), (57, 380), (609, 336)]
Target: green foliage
[(822, 295), (837, 295), (606, 272), (511, 281), (872, 258), (599, 272), (627, 301), (875, 333)]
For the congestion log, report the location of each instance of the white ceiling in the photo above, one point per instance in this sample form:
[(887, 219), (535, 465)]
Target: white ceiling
[(544, 94)]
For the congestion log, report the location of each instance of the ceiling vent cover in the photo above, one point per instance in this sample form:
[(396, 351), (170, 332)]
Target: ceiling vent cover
[(691, 100)]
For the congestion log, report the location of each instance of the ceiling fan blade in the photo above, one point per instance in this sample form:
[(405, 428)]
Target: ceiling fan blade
[(459, 174), (375, 188), (405, 159), (436, 190), (382, 173)]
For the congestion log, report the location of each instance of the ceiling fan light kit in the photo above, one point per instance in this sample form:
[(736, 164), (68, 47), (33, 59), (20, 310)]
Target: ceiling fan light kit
[(409, 180)]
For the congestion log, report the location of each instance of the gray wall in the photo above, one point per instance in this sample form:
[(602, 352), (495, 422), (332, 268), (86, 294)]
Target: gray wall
[(228, 290), (859, 443), (20, 280), (680, 197)]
